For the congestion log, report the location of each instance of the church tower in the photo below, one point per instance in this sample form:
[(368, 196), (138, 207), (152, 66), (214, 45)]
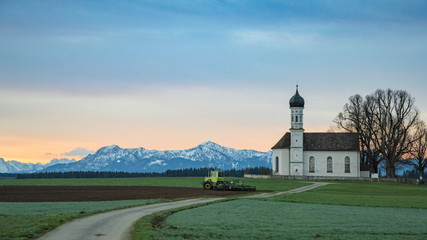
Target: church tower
[(296, 104)]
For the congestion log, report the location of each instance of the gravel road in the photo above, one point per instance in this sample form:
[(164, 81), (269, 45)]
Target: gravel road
[(113, 225), (296, 190)]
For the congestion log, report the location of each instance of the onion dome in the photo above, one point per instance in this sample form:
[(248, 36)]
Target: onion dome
[(296, 100)]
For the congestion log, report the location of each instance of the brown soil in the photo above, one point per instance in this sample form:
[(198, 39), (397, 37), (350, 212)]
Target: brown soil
[(101, 193)]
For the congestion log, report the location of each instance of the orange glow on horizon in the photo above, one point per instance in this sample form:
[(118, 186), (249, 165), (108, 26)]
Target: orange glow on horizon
[(34, 150)]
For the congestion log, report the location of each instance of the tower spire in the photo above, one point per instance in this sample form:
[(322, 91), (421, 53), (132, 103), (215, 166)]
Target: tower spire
[(296, 153), (296, 103)]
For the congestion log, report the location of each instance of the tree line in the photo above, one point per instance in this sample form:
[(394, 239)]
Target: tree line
[(8, 175), (412, 174), (190, 172), (390, 130)]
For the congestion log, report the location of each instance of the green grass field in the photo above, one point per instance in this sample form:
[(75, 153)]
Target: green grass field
[(255, 219), (155, 181), (342, 210), (29, 220), (364, 194), (261, 184)]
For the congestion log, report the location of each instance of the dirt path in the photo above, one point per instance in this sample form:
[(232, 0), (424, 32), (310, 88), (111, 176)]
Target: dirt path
[(117, 224), (296, 190), (113, 225)]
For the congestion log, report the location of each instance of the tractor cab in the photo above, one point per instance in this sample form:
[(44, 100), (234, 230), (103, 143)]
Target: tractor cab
[(215, 176)]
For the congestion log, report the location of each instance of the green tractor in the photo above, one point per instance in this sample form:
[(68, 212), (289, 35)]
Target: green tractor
[(216, 181)]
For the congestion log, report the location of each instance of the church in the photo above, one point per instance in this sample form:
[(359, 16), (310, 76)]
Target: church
[(330, 155)]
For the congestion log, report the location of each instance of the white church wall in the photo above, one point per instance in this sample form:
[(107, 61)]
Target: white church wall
[(296, 155), (297, 138), (338, 163), (296, 169), (283, 155)]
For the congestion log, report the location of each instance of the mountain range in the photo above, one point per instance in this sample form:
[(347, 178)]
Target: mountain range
[(113, 158), (18, 167)]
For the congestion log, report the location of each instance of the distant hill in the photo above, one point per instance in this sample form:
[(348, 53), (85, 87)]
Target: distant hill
[(18, 167), (208, 154), (113, 158)]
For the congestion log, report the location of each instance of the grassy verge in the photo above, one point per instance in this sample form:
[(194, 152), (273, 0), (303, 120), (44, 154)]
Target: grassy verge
[(254, 219), (149, 226), (149, 181), (31, 220), (364, 194)]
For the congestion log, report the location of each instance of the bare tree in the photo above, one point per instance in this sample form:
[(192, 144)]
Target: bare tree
[(383, 121), (394, 116), (419, 150), (353, 119)]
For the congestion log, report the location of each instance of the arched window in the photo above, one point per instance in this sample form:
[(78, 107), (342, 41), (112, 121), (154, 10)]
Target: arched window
[(277, 164), (347, 164), (329, 164), (311, 164)]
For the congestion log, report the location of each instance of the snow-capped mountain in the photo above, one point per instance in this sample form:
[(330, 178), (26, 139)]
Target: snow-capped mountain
[(18, 167), (207, 154)]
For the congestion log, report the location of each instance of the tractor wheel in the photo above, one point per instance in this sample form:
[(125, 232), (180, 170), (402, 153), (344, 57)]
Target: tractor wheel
[(207, 185)]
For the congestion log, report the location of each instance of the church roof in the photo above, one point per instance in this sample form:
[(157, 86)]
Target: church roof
[(323, 142)]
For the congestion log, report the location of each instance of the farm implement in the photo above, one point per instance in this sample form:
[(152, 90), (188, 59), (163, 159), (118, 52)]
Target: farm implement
[(216, 181)]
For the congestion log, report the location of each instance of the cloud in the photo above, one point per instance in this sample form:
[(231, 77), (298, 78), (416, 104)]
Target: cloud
[(272, 37), (78, 152)]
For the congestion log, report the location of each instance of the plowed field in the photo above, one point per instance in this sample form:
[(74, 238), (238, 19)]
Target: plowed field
[(100, 193)]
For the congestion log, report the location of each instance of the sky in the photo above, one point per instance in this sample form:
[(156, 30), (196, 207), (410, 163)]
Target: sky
[(79, 75)]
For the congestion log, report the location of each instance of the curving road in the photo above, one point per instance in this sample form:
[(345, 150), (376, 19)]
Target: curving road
[(296, 190), (118, 224), (113, 225)]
